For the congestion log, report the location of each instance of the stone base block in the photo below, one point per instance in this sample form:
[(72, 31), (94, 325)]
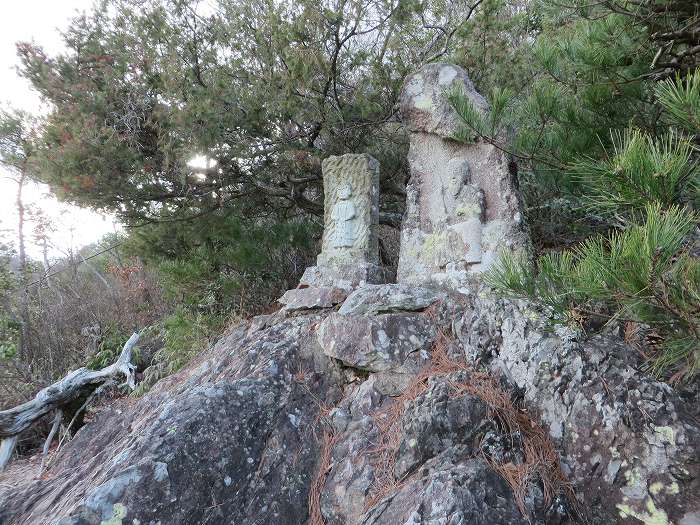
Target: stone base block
[(348, 277), (378, 343)]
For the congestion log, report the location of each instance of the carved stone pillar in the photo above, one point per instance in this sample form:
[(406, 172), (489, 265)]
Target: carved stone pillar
[(349, 253), (462, 205)]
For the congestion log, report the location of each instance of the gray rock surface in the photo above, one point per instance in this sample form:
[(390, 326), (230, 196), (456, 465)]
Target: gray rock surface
[(241, 434), (451, 488), (375, 343), (312, 298), (629, 444), (233, 439)]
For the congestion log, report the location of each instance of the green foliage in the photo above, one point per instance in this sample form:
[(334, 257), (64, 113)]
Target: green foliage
[(639, 274), (9, 325), (264, 90), (222, 263), (110, 346), (16, 138), (9, 337), (185, 334), (641, 170), (681, 100), (606, 139)]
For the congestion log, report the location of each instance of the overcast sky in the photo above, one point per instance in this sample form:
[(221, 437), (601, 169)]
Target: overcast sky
[(39, 21)]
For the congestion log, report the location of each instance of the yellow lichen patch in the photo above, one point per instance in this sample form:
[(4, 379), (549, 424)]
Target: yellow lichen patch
[(666, 434), (655, 488), (118, 515), (658, 487), (468, 211), (634, 477), (649, 516)]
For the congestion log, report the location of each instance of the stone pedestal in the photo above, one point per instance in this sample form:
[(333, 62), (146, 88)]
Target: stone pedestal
[(462, 206)]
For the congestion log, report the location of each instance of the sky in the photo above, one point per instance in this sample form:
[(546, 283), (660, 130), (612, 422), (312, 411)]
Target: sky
[(40, 21)]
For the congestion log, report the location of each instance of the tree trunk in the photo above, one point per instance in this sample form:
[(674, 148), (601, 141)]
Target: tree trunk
[(23, 351), (76, 383)]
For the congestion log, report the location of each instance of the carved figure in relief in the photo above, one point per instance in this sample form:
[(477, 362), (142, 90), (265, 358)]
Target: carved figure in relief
[(463, 208), (344, 217)]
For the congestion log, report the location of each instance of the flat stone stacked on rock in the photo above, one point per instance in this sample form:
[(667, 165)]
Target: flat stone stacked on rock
[(462, 206), (379, 326), (383, 329), (349, 253), (311, 298)]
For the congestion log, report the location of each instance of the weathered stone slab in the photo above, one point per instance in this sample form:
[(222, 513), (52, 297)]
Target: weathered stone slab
[(383, 298), (349, 254), (346, 276), (462, 206), (351, 209), (375, 343), (311, 298)]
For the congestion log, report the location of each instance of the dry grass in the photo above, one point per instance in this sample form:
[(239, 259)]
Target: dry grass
[(388, 423), (383, 455), (541, 461), (328, 440)]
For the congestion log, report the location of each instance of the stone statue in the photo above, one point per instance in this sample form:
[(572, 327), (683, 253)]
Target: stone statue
[(351, 213), (350, 248), (344, 217), (462, 206)]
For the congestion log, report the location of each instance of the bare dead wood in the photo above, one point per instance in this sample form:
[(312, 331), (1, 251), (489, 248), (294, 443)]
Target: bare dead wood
[(7, 447), (96, 393), (54, 428), (78, 382)]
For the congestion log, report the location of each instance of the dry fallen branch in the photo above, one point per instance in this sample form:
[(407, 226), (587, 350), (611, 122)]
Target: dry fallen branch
[(77, 383)]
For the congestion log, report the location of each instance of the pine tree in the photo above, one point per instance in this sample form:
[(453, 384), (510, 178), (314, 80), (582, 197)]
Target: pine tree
[(647, 270)]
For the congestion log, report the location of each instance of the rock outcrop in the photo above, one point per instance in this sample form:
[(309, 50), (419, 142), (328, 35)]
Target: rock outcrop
[(291, 417)]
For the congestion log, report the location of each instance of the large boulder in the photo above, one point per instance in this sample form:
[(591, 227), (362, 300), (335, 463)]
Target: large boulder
[(233, 439), (628, 443)]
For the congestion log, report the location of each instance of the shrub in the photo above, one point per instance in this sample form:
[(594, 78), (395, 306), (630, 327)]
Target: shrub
[(641, 274)]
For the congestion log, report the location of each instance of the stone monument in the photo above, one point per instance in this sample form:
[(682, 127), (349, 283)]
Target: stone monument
[(462, 205), (349, 252)]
